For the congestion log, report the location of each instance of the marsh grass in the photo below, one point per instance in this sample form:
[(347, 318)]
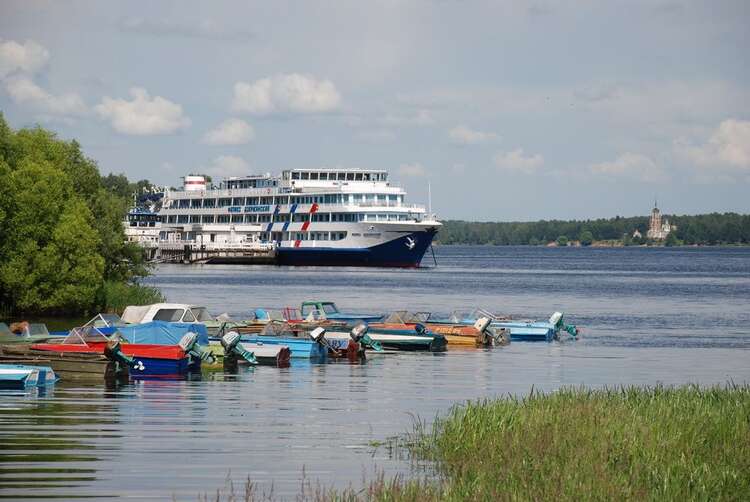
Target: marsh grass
[(659, 443), (115, 296)]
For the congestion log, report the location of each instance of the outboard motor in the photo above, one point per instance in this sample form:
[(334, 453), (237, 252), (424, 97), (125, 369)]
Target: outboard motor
[(113, 352), (557, 321), (189, 344), (420, 328), (359, 334), (318, 335), (484, 335), (233, 348)]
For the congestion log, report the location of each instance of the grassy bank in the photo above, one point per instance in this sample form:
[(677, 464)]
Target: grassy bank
[(637, 443)]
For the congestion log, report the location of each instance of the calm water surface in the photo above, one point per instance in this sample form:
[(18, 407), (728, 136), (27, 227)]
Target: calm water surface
[(648, 315)]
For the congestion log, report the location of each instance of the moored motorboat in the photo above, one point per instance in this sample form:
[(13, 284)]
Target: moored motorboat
[(180, 313), (67, 365), (326, 310), (478, 334), (280, 333), (401, 337), (22, 376), (520, 330), (144, 360), (227, 348), (24, 332)]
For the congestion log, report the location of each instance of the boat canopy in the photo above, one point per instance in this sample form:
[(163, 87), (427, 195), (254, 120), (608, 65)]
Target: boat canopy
[(169, 312), (162, 333), (325, 308)]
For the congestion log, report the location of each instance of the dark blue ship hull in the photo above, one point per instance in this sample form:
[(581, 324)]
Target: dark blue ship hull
[(404, 252)]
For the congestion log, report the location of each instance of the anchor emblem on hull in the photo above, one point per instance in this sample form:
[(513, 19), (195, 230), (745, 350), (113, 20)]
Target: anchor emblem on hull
[(410, 243)]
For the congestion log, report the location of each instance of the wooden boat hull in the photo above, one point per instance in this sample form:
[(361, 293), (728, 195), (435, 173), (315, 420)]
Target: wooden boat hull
[(160, 361), (68, 366)]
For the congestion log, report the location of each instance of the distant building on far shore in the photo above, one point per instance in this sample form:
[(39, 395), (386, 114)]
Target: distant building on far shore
[(657, 230)]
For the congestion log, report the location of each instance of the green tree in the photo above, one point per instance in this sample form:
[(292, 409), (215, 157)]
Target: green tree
[(117, 184), (50, 260), (672, 240), (61, 226), (562, 240), (586, 238)]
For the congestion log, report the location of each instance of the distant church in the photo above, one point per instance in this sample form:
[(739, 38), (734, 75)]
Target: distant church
[(656, 229)]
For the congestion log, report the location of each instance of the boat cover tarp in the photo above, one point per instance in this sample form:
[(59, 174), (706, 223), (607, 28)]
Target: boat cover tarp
[(162, 332)]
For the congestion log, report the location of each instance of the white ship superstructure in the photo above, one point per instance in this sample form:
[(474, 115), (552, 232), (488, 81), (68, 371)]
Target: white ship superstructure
[(314, 217)]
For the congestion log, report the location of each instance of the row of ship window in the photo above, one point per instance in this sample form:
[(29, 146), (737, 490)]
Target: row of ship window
[(328, 176), (283, 218), (302, 236), (338, 198)]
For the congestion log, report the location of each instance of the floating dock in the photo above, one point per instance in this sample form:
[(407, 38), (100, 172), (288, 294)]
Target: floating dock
[(225, 253)]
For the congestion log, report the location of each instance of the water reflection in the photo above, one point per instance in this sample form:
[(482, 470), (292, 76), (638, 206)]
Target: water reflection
[(682, 320)]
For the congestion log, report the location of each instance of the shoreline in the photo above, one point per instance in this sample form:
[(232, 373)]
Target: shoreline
[(610, 443)]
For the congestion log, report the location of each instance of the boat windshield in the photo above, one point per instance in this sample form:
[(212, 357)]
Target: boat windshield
[(277, 328), (330, 308), (4, 329), (106, 320), (85, 335), (406, 317), (201, 314), (292, 314), (38, 329)]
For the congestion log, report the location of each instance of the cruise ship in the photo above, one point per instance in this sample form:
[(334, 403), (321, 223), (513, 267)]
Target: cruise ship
[(328, 217)]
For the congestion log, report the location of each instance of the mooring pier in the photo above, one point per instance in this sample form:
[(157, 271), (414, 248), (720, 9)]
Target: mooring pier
[(215, 253)]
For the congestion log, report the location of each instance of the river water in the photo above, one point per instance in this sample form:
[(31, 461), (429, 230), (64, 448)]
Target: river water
[(660, 315)]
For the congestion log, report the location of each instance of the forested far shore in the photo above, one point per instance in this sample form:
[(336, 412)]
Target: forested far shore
[(62, 242), (702, 229)]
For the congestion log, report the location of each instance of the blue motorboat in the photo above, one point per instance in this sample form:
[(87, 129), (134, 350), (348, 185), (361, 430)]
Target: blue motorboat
[(277, 332), (329, 311), (299, 347), (23, 376)]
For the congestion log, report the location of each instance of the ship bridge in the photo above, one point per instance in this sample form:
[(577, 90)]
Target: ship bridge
[(295, 179)]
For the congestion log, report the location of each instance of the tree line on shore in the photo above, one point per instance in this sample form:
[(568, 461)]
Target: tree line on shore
[(702, 229), (63, 248)]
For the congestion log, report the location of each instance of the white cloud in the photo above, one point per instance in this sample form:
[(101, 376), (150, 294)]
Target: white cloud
[(228, 165), (412, 170), (230, 132), (517, 161), (728, 146), (292, 93), (28, 57), (463, 135), (143, 115), (23, 90), (631, 165)]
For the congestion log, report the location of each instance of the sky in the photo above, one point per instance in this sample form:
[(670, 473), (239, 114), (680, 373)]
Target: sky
[(507, 110)]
